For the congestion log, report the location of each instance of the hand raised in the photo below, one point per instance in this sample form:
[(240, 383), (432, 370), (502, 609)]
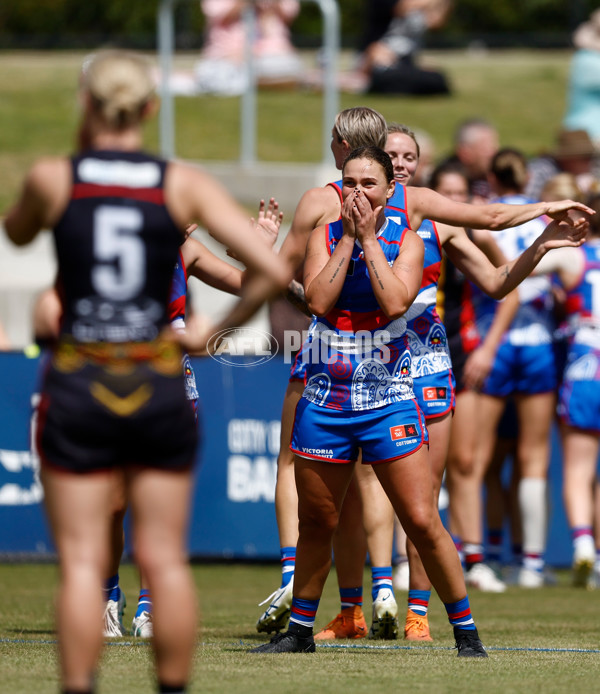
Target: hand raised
[(565, 233), (269, 221), (365, 217), (559, 210), (348, 220)]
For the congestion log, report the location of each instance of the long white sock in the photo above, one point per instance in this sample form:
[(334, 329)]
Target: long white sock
[(533, 503)]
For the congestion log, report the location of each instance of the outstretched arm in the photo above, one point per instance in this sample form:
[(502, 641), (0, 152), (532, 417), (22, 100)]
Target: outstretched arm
[(209, 268), (424, 203), (499, 281)]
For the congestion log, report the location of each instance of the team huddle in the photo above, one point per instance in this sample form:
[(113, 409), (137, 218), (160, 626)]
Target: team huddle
[(379, 388)]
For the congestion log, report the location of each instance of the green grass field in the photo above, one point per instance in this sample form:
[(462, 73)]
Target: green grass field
[(521, 92), (539, 641)]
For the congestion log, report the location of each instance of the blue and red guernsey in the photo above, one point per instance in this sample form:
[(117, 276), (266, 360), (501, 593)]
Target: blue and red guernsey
[(583, 304), (115, 227), (533, 324), (357, 357), (337, 186), (396, 206), (579, 396), (177, 301), (425, 330)]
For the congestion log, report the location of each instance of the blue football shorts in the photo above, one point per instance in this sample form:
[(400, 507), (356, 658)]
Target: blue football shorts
[(435, 393), (337, 436)]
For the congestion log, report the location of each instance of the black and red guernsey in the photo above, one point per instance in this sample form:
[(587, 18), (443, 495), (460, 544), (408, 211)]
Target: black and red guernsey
[(115, 228)]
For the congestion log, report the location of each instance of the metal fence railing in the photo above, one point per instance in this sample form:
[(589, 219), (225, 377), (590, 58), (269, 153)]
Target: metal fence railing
[(166, 47)]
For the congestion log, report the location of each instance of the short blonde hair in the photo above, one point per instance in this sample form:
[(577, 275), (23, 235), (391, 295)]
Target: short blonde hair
[(361, 127), (120, 84), (563, 186)]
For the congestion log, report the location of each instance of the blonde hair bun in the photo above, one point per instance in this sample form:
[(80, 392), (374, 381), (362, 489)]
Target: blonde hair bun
[(121, 84)]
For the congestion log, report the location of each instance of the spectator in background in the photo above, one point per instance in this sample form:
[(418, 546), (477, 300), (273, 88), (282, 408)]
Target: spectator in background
[(563, 185), (222, 68), (583, 96), (476, 141), (574, 153), (393, 39)]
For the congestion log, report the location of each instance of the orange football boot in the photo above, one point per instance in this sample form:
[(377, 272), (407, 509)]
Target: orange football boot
[(349, 624), (416, 627)]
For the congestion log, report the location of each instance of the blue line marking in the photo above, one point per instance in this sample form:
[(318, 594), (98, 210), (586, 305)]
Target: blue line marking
[(342, 646), (49, 642)]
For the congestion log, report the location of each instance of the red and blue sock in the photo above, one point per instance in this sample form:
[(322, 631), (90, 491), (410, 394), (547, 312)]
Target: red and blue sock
[(144, 602), (381, 577), (302, 618), (459, 614), (418, 601), (288, 564), (351, 597), (473, 554)]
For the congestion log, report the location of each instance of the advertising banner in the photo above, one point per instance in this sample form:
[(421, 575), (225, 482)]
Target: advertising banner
[(233, 500)]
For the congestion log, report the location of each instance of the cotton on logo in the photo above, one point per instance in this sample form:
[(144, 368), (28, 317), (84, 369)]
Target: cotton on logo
[(434, 393), (403, 431), (257, 346)]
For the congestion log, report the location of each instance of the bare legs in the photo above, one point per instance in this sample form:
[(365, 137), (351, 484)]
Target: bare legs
[(321, 490), (160, 504), (536, 413), (580, 456), (439, 435), (80, 512), (366, 523), (378, 516), (286, 496), (408, 484), (349, 540), (464, 485)]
